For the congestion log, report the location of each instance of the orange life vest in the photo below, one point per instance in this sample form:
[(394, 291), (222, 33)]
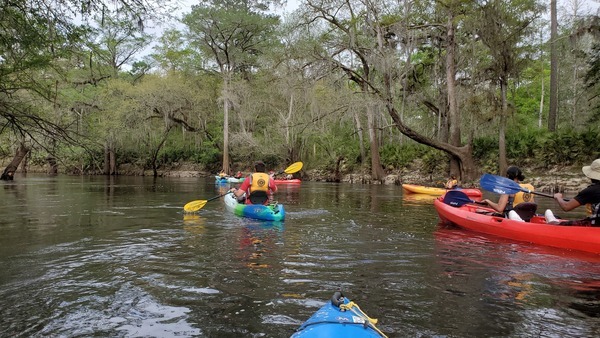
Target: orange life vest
[(258, 190), (259, 182), (521, 197)]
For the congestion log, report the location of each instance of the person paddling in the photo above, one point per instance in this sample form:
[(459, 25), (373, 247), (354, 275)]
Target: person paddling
[(505, 202), (258, 186), (589, 196)]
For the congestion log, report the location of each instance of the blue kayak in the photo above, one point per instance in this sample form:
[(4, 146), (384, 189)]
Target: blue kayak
[(221, 180), (274, 212), (340, 317)]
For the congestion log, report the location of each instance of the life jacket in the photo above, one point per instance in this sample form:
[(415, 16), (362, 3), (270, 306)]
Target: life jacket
[(451, 184), (595, 213), (509, 205), (521, 197), (259, 188)]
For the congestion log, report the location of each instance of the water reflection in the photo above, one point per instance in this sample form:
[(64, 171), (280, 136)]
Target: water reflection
[(418, 199), (288, 194), (194, 223), (581, 295), (521, 280), (258, 240)]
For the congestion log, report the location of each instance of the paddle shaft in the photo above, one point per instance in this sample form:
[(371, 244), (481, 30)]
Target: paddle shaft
[(494, 183), (217, 197)]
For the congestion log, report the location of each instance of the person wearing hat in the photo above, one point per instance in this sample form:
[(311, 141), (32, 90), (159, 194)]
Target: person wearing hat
[(589, 196), (506, 201), (257, 187)]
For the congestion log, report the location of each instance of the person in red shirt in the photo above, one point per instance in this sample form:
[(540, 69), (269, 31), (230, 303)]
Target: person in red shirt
[(257, 187)]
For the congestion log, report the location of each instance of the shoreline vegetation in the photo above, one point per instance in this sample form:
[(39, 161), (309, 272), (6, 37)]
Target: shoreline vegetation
[(567, 179)]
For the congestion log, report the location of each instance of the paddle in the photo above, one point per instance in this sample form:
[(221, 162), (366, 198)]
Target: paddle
[(199, 204), (457, 198), (293, 168), (503, 185)]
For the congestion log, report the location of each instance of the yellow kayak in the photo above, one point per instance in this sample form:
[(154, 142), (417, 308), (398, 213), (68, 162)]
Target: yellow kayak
[(421, 189)]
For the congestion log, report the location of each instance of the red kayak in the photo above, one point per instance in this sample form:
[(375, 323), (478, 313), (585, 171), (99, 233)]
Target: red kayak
[(476, 218), (293, 181)]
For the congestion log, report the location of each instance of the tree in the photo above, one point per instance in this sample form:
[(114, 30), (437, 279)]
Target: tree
[(381, 20), (232, 34), (503, 26), (39, 37), (552, 114)]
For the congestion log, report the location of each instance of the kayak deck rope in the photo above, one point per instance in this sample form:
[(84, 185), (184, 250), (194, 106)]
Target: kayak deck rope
[(352, 306)]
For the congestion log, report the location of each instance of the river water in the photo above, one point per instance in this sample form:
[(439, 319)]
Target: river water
[(97, 256)]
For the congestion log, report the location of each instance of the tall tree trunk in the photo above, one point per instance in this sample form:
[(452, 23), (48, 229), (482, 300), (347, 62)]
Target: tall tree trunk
[(502, 165), (52, 165), (541, 112), (288, 133), (226, 84), (157, 151), (25, 162), (106, 168), (112, 159), (453, 112), (9, 171), (376, 169), (553, 113), (361, 141)]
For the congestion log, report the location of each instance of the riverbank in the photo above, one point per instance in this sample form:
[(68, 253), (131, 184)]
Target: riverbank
[(549, 180)]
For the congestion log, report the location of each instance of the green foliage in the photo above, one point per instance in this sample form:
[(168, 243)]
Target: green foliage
[(483, 146), (569, 147), (562, 148), (400, 156), (523, 144), (434, 161)]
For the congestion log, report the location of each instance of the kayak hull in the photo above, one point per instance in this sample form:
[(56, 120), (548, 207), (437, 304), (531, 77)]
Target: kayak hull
[(471, 217), (255, 211), (421, 189), (221, 180), (331, 322)]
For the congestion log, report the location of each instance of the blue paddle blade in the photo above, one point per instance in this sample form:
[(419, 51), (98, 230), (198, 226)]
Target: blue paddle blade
[(499, 184), (457, 198)]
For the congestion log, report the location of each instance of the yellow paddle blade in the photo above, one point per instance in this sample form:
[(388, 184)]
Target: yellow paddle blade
[(294, 168), (199, 204), (194, 205)]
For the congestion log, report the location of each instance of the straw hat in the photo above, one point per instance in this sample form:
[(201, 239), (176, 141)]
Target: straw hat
[(592, 171)]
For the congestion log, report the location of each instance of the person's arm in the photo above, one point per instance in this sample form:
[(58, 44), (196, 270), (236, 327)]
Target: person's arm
[(243, 188), (272, 186), (500, 206), (566, 205)]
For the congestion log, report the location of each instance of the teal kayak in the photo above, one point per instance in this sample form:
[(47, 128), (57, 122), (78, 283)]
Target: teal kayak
[(221, 180), (272, 212), (339, 318)]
